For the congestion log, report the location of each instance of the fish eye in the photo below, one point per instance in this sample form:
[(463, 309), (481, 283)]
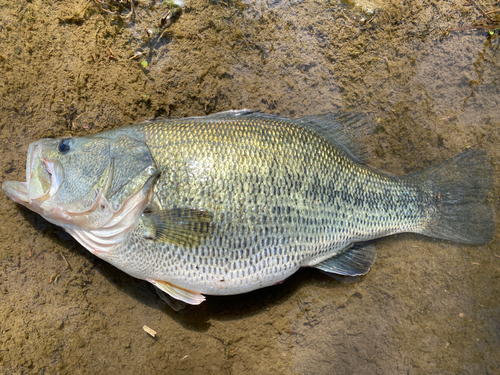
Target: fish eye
[(64, 145)]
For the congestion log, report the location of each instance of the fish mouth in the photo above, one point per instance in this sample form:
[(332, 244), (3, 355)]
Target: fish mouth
[(17, 191), (43, 178)]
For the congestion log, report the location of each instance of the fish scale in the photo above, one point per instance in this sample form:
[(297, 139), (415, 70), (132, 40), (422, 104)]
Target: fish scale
[(239, 200), (282, 196)]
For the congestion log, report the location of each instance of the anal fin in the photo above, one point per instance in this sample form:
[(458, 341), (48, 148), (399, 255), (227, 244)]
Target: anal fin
[(184, 295), (353, 261)]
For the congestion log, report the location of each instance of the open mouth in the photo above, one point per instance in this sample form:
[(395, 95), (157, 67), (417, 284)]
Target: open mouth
[(17, 191), (42, 179)]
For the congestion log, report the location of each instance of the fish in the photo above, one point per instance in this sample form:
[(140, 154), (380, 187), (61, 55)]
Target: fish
[(240, 200)]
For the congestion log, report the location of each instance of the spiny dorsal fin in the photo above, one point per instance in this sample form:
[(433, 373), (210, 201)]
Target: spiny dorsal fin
[(180, 226), (353, 261), (184, 295), (343, 129), (247, 113)]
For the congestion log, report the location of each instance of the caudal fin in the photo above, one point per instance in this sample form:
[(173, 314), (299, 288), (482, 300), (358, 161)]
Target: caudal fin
[(458, 188)]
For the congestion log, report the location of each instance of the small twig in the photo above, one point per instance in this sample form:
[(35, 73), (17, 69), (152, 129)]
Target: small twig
[(370, 20), (132, 10), (388, 64), (84, 8), (69, 267), (112, 55), (346, 16), (492, 11), (161, 35), (447, 118), (475, 27), (147, 33), (150, 331), (54, 277)]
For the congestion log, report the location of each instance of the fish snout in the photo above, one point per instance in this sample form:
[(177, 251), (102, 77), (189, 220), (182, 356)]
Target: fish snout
[(43, 177), (17, 191)]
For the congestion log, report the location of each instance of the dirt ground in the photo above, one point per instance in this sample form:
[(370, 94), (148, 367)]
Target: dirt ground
[(431, 86)]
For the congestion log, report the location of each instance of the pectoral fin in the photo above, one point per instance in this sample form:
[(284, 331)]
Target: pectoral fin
[(183, 227), (184, 295), (353, 261)]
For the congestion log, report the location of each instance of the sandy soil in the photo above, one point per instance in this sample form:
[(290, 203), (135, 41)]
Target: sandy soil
[(427, 306)]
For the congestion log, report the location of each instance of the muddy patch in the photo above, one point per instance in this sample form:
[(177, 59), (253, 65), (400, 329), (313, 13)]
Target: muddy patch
[(428, 80)]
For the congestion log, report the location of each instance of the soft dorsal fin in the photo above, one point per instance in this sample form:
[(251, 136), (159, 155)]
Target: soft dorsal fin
[(184, 295), (343, 129), (180, 226), (353, 261)]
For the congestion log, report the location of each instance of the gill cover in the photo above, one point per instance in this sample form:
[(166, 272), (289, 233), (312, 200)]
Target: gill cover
[(93, 187)]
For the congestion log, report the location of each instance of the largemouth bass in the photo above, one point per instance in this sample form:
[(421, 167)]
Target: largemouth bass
[(239, 200)]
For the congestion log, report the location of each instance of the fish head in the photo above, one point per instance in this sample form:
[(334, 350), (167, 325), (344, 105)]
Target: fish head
[(58, 173), (91, 186)]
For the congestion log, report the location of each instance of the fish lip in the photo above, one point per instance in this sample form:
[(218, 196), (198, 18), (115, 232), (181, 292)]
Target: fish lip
[(17, 191), (34, 160), (53, 169)]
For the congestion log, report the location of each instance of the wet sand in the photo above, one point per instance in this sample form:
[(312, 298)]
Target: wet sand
[(71, 68)]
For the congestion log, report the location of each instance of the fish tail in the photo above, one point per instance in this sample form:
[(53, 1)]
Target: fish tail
[(457, 208)]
